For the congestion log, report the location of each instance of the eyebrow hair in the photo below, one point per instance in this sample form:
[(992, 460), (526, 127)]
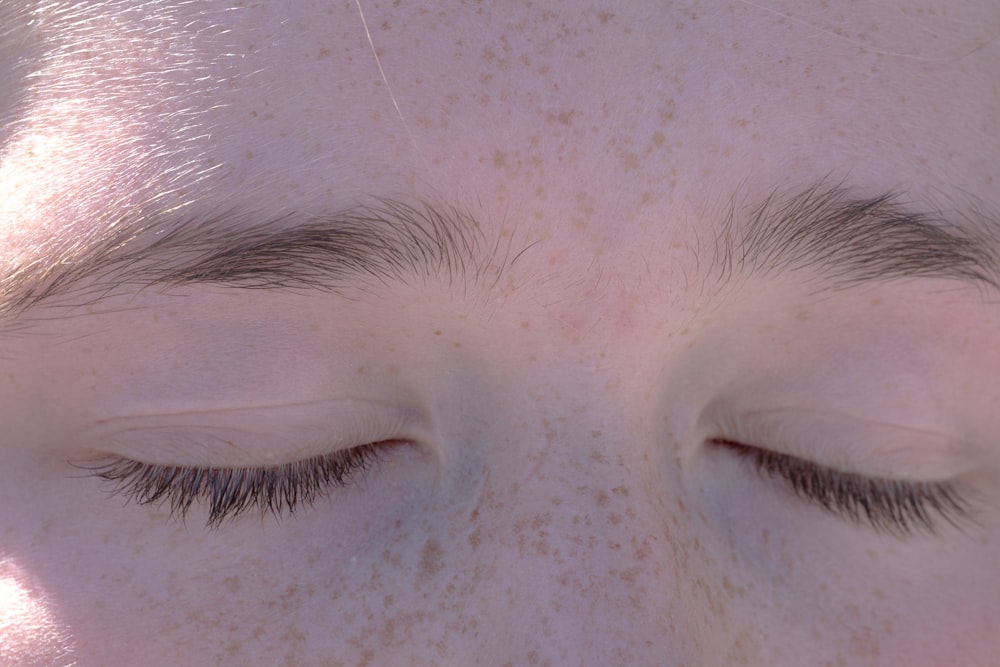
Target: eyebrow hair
[(387, 240), (845, 240)]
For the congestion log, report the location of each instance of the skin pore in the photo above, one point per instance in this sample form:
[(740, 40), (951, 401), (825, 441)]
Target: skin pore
[(538, 321)]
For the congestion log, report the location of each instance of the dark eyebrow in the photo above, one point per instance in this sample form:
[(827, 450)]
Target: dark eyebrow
[(386, 240), (842, 239), (845, 240)]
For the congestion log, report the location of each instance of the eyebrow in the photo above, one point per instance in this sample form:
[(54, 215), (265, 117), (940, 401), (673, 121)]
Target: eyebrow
[(843, 239), (387, 241)]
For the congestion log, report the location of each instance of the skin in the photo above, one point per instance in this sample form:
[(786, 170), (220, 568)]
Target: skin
[(549, 497)]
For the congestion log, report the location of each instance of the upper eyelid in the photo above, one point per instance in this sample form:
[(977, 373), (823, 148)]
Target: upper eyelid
[(252, 436), (893, 506), (232, 491), (845, 442)]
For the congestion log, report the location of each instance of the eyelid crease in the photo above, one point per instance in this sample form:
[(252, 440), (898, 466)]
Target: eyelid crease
[(849, 443), (229, 409), (250, 436)]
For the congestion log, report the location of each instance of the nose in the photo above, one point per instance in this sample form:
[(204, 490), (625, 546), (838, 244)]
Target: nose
[(580, 553)]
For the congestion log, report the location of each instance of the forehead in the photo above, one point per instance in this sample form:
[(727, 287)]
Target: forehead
[(568, 120)]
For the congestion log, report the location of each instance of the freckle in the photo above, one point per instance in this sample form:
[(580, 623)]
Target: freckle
[(431, 559), (232, 583), (598, 457), (550, 433), (437, 332), (323, 53), (602, 498), (362, 371)]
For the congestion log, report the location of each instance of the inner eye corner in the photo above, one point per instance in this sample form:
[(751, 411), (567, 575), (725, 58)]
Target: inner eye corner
[(727, 443)]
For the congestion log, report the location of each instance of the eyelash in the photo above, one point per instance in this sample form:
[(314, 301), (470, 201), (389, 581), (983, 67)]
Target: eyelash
[(888, 505), (231, 492)]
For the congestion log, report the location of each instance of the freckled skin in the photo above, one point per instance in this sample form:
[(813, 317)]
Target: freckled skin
[(555, 505)]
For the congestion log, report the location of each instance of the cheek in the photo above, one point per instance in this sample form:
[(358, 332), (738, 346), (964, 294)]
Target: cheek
[(29, 634), (943, 631)]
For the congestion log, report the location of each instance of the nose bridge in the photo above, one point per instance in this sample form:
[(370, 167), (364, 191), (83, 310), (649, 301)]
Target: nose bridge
[(579, 542)]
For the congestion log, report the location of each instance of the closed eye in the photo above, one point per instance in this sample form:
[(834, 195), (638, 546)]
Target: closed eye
[(894, 506), (230, 492)]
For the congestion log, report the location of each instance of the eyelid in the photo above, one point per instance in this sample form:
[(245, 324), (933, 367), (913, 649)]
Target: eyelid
[(893, 506), (251, 436), (230, 492), (847, 443)]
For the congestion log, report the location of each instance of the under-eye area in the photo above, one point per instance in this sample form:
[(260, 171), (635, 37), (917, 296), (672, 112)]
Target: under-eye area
[(228, 493)]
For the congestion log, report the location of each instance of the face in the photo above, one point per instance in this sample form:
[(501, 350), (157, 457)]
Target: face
[(565, 333)]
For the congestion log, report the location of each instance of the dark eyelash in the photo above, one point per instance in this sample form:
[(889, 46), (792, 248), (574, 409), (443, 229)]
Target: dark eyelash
[(230, 492), (889, 505)]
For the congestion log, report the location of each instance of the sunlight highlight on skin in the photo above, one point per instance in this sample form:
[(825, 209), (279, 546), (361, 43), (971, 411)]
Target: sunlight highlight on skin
[(28, 634)]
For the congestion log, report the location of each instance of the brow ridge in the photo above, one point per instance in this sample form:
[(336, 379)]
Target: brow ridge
[(846, 240), (386, 240)]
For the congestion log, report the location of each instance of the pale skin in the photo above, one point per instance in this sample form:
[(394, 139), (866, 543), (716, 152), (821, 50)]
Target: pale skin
[(547, 491)]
